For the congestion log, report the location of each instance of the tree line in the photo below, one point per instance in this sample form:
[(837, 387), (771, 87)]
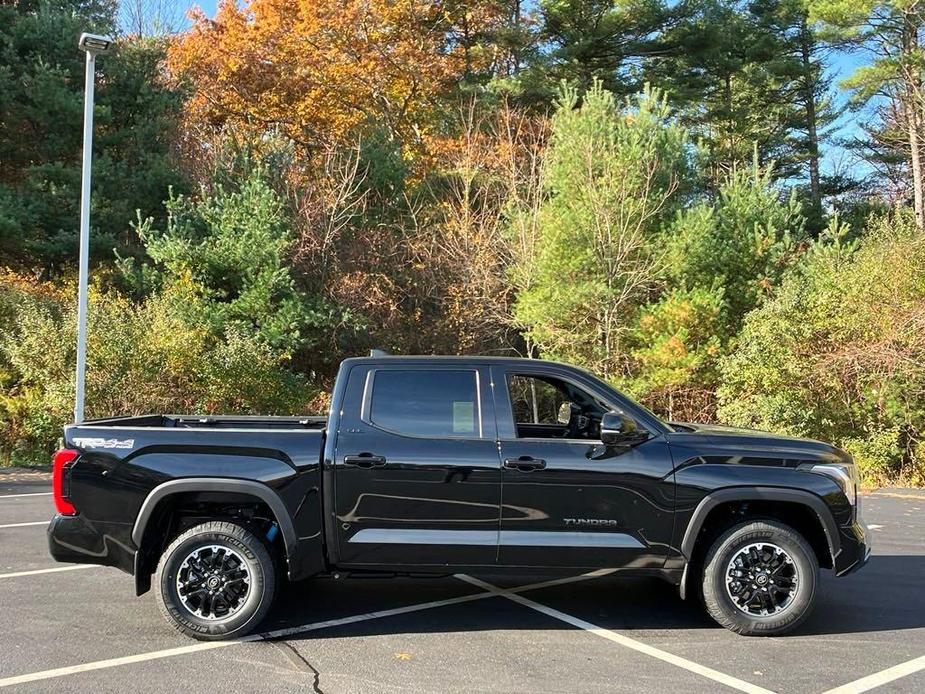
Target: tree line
[(649, 189)]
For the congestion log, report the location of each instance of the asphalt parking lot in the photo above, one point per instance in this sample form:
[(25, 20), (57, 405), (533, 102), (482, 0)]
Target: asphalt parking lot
[(79, 629)]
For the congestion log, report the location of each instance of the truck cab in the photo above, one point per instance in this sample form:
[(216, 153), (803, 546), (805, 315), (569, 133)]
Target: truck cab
[(484, 463)]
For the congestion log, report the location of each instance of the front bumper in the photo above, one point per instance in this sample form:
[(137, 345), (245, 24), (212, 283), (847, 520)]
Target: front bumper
[(855, 548)]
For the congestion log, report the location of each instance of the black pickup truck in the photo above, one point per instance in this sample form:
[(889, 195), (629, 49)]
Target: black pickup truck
[(438, 465)]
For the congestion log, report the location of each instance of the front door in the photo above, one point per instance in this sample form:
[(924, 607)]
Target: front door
[(567, 499), (417, 474)]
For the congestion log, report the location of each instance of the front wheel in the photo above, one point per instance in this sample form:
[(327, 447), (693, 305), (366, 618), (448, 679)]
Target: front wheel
[(760, 579), (216, 581)]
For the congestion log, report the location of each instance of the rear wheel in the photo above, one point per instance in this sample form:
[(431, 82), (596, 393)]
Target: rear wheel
[(216, 581), (760, 579)]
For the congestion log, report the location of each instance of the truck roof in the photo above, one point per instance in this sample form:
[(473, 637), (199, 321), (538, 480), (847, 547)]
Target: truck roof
[(463, 359)]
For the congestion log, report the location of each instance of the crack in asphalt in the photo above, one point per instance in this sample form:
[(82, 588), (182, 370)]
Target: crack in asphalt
[(301, 663)]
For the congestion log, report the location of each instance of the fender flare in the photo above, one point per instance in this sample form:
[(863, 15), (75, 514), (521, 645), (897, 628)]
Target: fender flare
[(217, 484), (799, 496)]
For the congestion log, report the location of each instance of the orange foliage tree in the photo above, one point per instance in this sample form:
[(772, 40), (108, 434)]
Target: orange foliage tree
[(319, 70)]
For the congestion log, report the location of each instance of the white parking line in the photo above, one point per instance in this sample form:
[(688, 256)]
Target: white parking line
[(16, 496), (57, 569), (113, 662), (562, 581), (691, 666), (23, 525), (279, 633), (865, 684)]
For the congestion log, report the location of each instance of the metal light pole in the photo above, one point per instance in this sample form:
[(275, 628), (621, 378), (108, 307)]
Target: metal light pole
[(92, 45)]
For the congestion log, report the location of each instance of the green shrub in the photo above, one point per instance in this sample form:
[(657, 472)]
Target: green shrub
[(839, 353), (141, 357), (741, 242), (879, 455), (231, 248), (674, 348), (612, 177)]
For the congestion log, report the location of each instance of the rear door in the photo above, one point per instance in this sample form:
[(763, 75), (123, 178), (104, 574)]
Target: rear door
[(417, 472), (568, 500)]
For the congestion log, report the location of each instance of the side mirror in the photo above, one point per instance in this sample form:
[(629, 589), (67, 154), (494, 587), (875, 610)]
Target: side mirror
[(618, 429)]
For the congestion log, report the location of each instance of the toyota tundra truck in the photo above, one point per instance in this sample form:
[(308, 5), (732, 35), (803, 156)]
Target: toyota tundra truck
[(442, 465)]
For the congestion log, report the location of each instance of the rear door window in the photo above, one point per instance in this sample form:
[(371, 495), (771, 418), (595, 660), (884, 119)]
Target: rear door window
[(434, 403)]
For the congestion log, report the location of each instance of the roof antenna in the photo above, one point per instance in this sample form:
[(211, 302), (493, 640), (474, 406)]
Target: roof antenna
[(379, 353)]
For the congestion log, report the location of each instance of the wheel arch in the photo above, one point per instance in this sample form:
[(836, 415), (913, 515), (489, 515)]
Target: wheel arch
[(163, 493), (813, 520)]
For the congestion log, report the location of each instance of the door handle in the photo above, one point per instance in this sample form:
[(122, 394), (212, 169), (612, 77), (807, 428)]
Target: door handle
[(364, 460), (524, 463)]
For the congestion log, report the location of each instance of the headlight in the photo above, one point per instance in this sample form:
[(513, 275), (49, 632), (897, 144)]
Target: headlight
[(844, 476)]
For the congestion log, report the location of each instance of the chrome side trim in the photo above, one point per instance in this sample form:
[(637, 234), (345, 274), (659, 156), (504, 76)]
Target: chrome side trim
[(534, 538), (407, 536), (507, 538)]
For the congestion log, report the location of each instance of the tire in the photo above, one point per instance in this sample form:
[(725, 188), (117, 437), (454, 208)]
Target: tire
[(773, 554), (220, 555)]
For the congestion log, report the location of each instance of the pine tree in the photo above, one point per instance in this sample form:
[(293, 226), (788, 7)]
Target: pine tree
[(596, 40), (613, 177), (41, 115), (888, 31), (801, 59), (728, 72)]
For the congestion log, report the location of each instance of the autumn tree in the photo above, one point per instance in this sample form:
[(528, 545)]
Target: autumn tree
[(496, 39), (319, 72), (480, 226)]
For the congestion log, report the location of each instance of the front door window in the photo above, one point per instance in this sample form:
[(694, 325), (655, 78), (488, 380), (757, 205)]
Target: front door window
[(545, 407)]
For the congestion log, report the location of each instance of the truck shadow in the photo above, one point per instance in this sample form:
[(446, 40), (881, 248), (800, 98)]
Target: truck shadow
[(884, 596)]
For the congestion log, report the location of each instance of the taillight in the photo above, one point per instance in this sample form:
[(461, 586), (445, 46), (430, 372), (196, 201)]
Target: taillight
[(59, 464)]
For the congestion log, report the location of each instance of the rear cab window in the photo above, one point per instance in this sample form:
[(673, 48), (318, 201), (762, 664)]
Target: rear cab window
[(431, 403)]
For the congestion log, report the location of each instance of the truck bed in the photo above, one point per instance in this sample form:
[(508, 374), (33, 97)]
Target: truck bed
[(124, 461), (175, 421)]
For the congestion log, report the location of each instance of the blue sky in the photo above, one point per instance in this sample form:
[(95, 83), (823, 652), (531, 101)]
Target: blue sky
[(208, 6)]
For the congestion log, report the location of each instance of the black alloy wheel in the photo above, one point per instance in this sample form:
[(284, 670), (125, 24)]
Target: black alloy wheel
[(213, 582), (759, 578), (216, 581)]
